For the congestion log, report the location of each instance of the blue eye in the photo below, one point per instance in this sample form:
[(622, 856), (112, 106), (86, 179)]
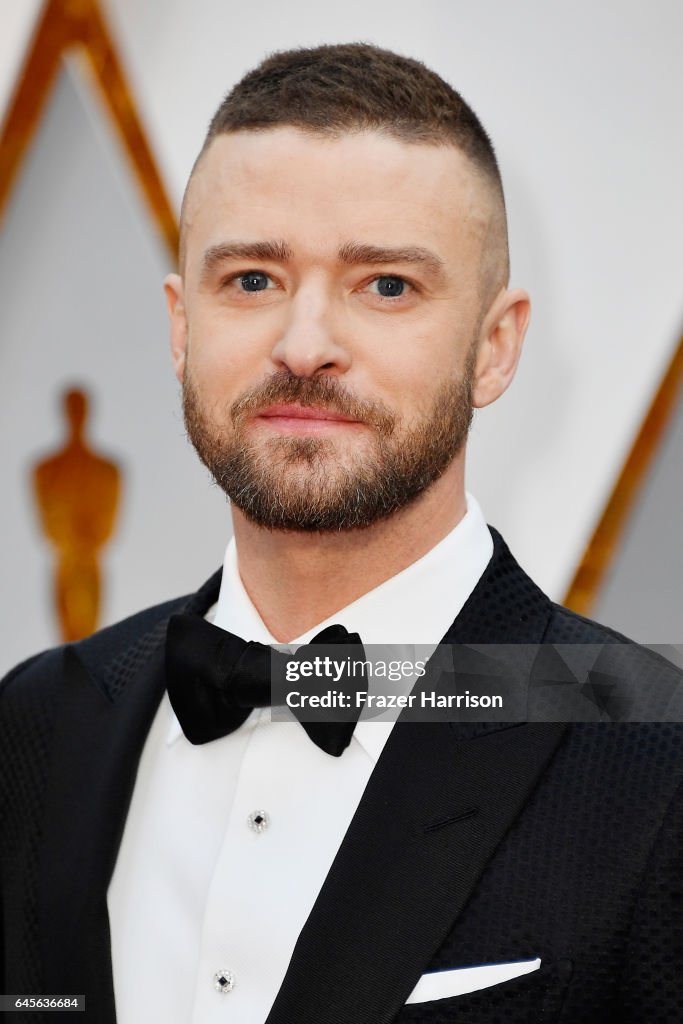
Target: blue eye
[(390, 287), (254, 281)]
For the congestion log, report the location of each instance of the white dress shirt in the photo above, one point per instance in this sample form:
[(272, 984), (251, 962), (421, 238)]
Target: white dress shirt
[(197, 890)]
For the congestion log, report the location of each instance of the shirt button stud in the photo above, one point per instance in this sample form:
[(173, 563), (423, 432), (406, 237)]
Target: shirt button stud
[(224, 981), (258, 821)]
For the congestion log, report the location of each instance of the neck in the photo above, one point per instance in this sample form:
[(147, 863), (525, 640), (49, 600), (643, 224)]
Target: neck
[(75, 438), (296, 580)]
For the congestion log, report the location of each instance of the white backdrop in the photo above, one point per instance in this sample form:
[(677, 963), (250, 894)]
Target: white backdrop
[(583, 104), (82, 305)]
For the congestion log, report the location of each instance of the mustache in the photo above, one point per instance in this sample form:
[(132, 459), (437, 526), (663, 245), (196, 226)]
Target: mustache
[(322, 392)]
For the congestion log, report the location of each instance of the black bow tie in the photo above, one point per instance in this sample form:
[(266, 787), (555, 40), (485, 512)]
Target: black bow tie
[(215, 680)]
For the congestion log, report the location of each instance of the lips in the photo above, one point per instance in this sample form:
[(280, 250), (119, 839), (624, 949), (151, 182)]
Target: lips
[(299, 412)]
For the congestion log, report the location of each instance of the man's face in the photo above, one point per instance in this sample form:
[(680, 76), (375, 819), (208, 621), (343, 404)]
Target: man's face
[(326, 324)]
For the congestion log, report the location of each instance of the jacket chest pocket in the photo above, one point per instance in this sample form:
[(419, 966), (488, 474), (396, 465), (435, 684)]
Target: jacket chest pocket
[(532, 998)]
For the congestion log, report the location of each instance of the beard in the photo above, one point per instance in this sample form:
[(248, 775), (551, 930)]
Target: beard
[(321, 484)]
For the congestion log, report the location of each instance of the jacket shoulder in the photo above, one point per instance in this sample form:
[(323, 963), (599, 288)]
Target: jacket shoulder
[(566, 626), (40, 674), (508, 594), (621, 656), (111, 653)]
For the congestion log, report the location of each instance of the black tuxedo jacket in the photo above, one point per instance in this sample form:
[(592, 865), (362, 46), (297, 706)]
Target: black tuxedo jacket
[(472, 844)]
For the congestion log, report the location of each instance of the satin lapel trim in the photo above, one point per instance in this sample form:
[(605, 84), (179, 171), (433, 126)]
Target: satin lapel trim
[(97, 748), (431, 817)]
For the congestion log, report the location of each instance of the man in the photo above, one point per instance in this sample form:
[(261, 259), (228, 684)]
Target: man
[(342, 305)]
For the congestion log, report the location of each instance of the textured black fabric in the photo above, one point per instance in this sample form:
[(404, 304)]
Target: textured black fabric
[(592, 846), (588, 875)]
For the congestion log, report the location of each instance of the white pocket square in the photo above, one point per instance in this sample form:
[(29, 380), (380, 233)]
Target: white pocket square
[(460, 980)]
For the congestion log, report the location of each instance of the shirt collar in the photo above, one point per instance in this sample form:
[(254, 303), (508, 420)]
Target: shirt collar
[(419, 603)]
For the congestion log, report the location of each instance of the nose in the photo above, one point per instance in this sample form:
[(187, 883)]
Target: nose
[(311, 336)]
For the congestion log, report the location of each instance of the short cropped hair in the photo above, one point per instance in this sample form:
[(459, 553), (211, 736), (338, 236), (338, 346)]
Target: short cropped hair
[(337, 89)]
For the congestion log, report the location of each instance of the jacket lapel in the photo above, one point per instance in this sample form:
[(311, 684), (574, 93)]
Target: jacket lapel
[(438, 803), (431, 817), (107, 708)]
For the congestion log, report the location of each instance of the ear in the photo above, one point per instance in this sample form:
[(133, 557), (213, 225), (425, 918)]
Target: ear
[(173, 286), (500, 345)]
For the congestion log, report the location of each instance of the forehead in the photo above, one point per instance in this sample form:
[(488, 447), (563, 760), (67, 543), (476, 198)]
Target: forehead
[(318, 192)]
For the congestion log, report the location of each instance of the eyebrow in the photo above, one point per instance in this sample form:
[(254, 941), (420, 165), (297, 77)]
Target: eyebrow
[(359, 253), (278, 252), (350, 253)]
